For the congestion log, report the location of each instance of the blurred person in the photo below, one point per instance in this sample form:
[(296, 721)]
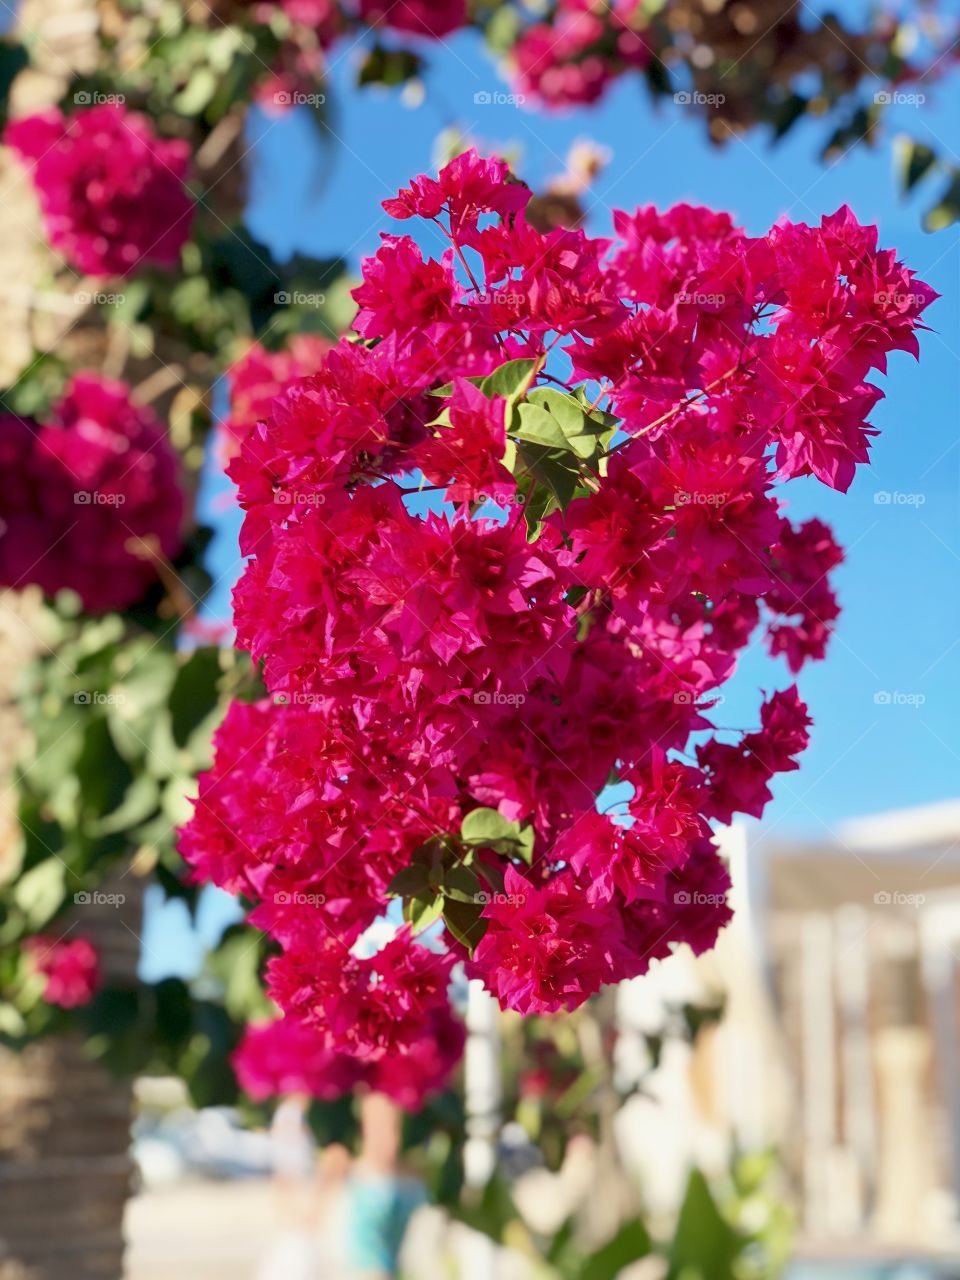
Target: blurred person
[(380, 1196), (294, 1253)]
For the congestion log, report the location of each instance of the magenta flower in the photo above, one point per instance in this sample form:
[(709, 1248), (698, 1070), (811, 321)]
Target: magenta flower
[(90, 498), (71, 969), (113, 195), (610, 424), (434, 18)]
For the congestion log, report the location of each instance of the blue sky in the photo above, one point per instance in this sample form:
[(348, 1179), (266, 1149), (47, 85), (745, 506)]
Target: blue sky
[(900, 633)]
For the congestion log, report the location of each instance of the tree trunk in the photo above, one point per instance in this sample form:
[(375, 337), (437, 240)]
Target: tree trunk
[(65, 1162), (65, 1130), (65, 1178)]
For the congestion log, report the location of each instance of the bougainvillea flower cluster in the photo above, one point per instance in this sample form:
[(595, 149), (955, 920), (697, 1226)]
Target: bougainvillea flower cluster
[(90, 499), (572, 58), (70, 967), (256, 379), (288, 1056), (112, 193), (605, 426)]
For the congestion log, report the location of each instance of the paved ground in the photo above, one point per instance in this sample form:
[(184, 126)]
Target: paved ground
[(202, 1231)]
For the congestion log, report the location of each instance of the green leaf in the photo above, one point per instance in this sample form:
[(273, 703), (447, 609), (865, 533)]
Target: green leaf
[(914, 159), (556, 469), (578, 428), (463, 919), (704, 1243), (411, 880), (461, 883), (607, 421), (538, 426), (199, 91), (140, 801), (390, 67), (539, 504), (236, 963), (101, 772), (493, 1213), (787, 113), (947, 210), (40, 892), (486, 827), (195, 693), (176, 800), (630, 1244), (509, 380), (525, 844), (502, 30), (13, 59), (421, 912), (492, 872)]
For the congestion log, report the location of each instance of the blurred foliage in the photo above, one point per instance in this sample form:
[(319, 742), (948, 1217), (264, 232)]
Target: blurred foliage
[(117, 714), (730, 1228), (118, 722)]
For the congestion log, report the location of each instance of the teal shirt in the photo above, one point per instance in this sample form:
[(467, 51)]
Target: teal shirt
[(378, 1211)]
